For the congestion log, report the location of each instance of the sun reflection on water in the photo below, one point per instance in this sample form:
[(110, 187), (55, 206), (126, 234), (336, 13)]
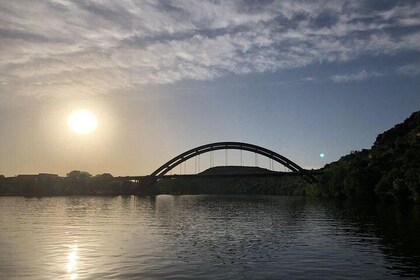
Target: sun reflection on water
[(72, 262)]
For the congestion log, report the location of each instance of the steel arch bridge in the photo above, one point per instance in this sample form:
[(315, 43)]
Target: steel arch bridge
[(161, 171)]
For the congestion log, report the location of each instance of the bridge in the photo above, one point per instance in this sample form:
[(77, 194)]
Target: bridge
[(163, 170)]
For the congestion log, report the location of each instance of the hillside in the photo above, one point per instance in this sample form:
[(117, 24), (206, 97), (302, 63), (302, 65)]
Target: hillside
[(390, 170), (223, 170), (252, 185)]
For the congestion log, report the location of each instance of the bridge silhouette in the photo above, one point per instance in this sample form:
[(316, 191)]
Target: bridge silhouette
[(163, 170)]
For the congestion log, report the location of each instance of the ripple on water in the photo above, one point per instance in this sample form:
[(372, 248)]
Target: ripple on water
[(203, 237)]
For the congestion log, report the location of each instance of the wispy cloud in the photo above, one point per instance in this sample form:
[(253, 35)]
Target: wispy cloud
[(409, 69), (359, 76), (103, 47), (302, 80)]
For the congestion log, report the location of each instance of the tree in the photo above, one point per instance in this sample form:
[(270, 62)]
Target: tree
[(104, 177), (78, 175)]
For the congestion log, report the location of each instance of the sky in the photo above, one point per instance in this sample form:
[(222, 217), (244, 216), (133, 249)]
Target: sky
[(298, 77)]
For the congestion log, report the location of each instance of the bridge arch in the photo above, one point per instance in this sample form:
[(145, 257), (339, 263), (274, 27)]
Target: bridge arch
[(161, 171)]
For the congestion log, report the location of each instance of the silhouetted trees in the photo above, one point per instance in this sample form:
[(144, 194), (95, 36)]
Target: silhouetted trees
[(285, 185), (78, 175), (389, 171), (75, 183)]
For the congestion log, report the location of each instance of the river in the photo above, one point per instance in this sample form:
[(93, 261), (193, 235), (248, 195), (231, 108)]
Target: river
[(206, 237)]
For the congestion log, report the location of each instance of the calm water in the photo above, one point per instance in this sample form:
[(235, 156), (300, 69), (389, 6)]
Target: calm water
[(205, 237)]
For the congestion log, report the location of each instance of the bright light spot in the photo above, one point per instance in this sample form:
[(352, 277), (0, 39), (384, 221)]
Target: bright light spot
[(82, 121), (72, 260), (322, 155)]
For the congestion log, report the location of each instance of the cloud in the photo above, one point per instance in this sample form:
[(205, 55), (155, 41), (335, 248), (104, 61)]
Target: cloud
[(103, 47), (301, 80), (409, 69), (360, 76)]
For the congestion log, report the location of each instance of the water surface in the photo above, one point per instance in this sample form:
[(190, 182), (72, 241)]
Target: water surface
[(208, 237)]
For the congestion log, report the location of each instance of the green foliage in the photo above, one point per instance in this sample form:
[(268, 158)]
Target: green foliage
[(389, 171), (312, 190)]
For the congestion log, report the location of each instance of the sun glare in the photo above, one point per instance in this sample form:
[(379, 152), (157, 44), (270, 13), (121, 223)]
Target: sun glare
[(82, 122)]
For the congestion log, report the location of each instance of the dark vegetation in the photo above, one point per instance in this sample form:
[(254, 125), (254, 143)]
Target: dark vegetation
[(288, 184), (83, 183), (75, 183), (390, 170)]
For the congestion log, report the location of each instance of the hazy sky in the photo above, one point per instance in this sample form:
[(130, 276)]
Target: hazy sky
[(298, 77)]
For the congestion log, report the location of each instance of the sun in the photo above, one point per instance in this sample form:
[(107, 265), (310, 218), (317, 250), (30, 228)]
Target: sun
[(82, 121)]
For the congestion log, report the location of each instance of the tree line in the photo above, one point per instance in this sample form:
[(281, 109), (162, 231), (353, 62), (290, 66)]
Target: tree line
[(75, 183), (390, 170)]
